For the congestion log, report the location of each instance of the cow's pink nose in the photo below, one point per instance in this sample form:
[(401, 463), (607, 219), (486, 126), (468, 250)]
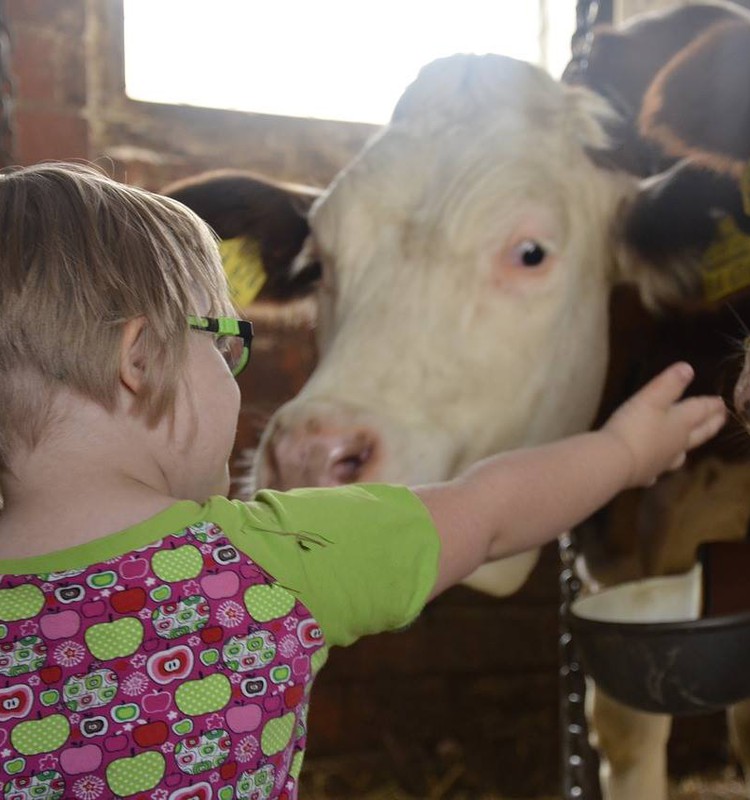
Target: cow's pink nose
[(315, 455)]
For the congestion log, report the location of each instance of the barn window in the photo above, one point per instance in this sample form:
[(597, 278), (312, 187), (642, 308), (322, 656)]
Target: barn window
[(331, 59)]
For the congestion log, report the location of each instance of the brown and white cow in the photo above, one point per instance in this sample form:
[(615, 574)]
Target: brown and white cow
[(467, 259)]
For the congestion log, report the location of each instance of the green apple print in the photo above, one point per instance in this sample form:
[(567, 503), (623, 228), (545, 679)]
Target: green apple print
[(180, 564), (95, 689), (269, 601), (198, 754), (296, 766), (203, 696), (127, 776), (260, 782), (245, 653), (277, 734), (28, 654), (318, 659), (40, 735), (47, 785), (20, 602), (117, 639)]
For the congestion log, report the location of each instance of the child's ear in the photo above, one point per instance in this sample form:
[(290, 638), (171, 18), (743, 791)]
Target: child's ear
[(132, 361)]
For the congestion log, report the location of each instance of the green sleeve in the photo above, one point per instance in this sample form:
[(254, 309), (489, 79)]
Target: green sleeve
[(362, 558)]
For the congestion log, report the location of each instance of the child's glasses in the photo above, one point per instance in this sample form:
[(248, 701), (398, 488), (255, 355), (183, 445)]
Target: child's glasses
[(233, 338)]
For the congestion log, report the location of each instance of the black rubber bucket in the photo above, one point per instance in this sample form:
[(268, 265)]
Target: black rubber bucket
[(681, 665)]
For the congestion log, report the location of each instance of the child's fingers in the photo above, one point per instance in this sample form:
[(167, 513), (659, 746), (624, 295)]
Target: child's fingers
[(710, 427), (668, 385), (679, 461), (703, 416)]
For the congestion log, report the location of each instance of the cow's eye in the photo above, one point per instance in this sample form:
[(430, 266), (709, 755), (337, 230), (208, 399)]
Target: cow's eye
[(530, 253)]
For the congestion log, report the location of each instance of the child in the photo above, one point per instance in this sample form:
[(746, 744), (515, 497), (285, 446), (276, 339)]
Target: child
[(156, 639)]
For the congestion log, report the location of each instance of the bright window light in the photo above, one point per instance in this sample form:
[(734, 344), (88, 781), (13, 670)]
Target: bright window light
[(328, 59)]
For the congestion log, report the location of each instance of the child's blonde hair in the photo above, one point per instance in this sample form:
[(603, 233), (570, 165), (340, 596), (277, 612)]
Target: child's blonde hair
[(80, 254)]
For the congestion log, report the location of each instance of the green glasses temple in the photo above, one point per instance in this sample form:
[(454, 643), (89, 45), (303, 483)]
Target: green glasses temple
[(227, 326)]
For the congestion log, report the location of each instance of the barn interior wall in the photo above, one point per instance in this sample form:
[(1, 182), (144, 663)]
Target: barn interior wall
[(473, 685), (624, 9)]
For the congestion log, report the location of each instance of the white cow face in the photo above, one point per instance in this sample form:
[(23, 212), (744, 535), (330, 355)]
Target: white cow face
[(467, 262)]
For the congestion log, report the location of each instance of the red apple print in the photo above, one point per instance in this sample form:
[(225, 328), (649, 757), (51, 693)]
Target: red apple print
[(94, 609), (113, 744), (272, 703), (170, 665), (300, 665), (228, 771), (156, 702), (212, 634), (15, 702), (242, 719), (200, 791), (50, 674), (151, 735), (76, 760), (130, 601), (309, 633), (293, 695), (133, 568), (222, 584)]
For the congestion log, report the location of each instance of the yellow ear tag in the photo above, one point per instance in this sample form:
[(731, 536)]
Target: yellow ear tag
[(244, 269), (726, 263)]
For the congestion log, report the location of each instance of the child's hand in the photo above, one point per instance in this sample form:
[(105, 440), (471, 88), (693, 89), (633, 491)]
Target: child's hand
[(657, 430)]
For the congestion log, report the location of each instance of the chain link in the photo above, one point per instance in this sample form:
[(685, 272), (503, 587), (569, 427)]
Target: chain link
[(577, 761), (589, 13)]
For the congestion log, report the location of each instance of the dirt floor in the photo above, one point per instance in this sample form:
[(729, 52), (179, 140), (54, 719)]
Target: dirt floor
[(726, 786), (331, 779)]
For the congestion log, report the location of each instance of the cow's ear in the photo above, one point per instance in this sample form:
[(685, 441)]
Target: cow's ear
[(662, 231), (696, 106), (255, 215), (588, 116)]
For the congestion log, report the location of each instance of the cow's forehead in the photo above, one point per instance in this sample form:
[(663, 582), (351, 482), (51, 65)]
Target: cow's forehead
[(460, 87), (468, 123), (466, 177)]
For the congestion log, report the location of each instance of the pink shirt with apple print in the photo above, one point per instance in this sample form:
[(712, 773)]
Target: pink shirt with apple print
[(174, 660)]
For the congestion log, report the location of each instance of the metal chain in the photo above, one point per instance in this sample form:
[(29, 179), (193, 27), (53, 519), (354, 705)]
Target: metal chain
[(588, 14), (7, 92), (578, 762)]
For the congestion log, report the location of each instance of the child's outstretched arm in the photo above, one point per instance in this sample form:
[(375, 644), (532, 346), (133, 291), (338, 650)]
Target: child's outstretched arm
[(520, 499)]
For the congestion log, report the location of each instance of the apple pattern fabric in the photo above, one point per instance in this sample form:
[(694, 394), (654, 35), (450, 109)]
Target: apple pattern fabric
[(179, 671)]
